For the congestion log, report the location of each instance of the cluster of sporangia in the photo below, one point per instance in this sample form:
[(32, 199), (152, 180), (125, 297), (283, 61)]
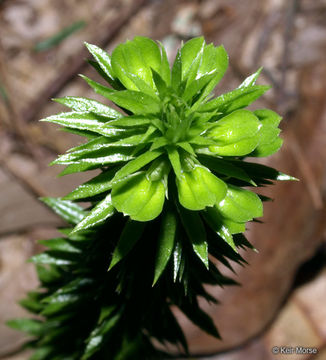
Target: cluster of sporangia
[(170, 191)]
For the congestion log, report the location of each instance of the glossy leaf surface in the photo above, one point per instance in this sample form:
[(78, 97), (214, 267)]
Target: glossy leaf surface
[(81, 104), (102, 58), (100, 213), (196, 233), (240, 205), (85, 121), (200, 188), (139, 197), (135, 101), (67, 210), (236, 99), (165, 243), (97, 185), (236, 134), (136, 57), (97, 87), (269, 141), (136, 164)]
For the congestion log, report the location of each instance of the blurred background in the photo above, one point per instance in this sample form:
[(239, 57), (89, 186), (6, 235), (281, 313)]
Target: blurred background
[(282, 297)]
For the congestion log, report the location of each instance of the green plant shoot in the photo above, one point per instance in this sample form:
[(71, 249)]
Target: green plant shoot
[(169, 202)]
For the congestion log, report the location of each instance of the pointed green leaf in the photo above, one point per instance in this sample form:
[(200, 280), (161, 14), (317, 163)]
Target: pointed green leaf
[(176, 73), (48, 274), (202, 141), (81, 104), (141, 85), (150, 134), (236, 99), (67, 210), (96, 185), (59, 244), (165, 71), (260, 172), (150, 51), (158, 143), (135, 101), (191, 56), (186, 147), (214, 58), (97, 337), (100, 142), (99, 214), (84, 121), (102, 58), (97, 87), (88, 134), (177, 256), (136, 140), (100, 157), (43, 353), (226, 168), (45, 258), (116, 84), (77, 285), (131, 121), (197, 85), (30, 326), (174, 158), (127, 59), (160, 84), (59, 308), (32, 303), (250, 80), (136, 57), (136, 164), (215, 221), (74, 168), (129, 138), (131, 233), (165, 243), (195, 230)]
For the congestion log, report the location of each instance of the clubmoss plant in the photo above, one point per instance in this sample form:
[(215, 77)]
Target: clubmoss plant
[(170, 192)]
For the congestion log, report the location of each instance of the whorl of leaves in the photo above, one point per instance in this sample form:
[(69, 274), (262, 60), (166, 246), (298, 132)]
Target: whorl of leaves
[(170, 192)]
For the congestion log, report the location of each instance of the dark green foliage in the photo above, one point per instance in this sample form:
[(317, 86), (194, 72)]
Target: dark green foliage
[(92, 313)]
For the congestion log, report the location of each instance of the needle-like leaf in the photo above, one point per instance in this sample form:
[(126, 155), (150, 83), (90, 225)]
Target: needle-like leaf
[(165, 242)]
